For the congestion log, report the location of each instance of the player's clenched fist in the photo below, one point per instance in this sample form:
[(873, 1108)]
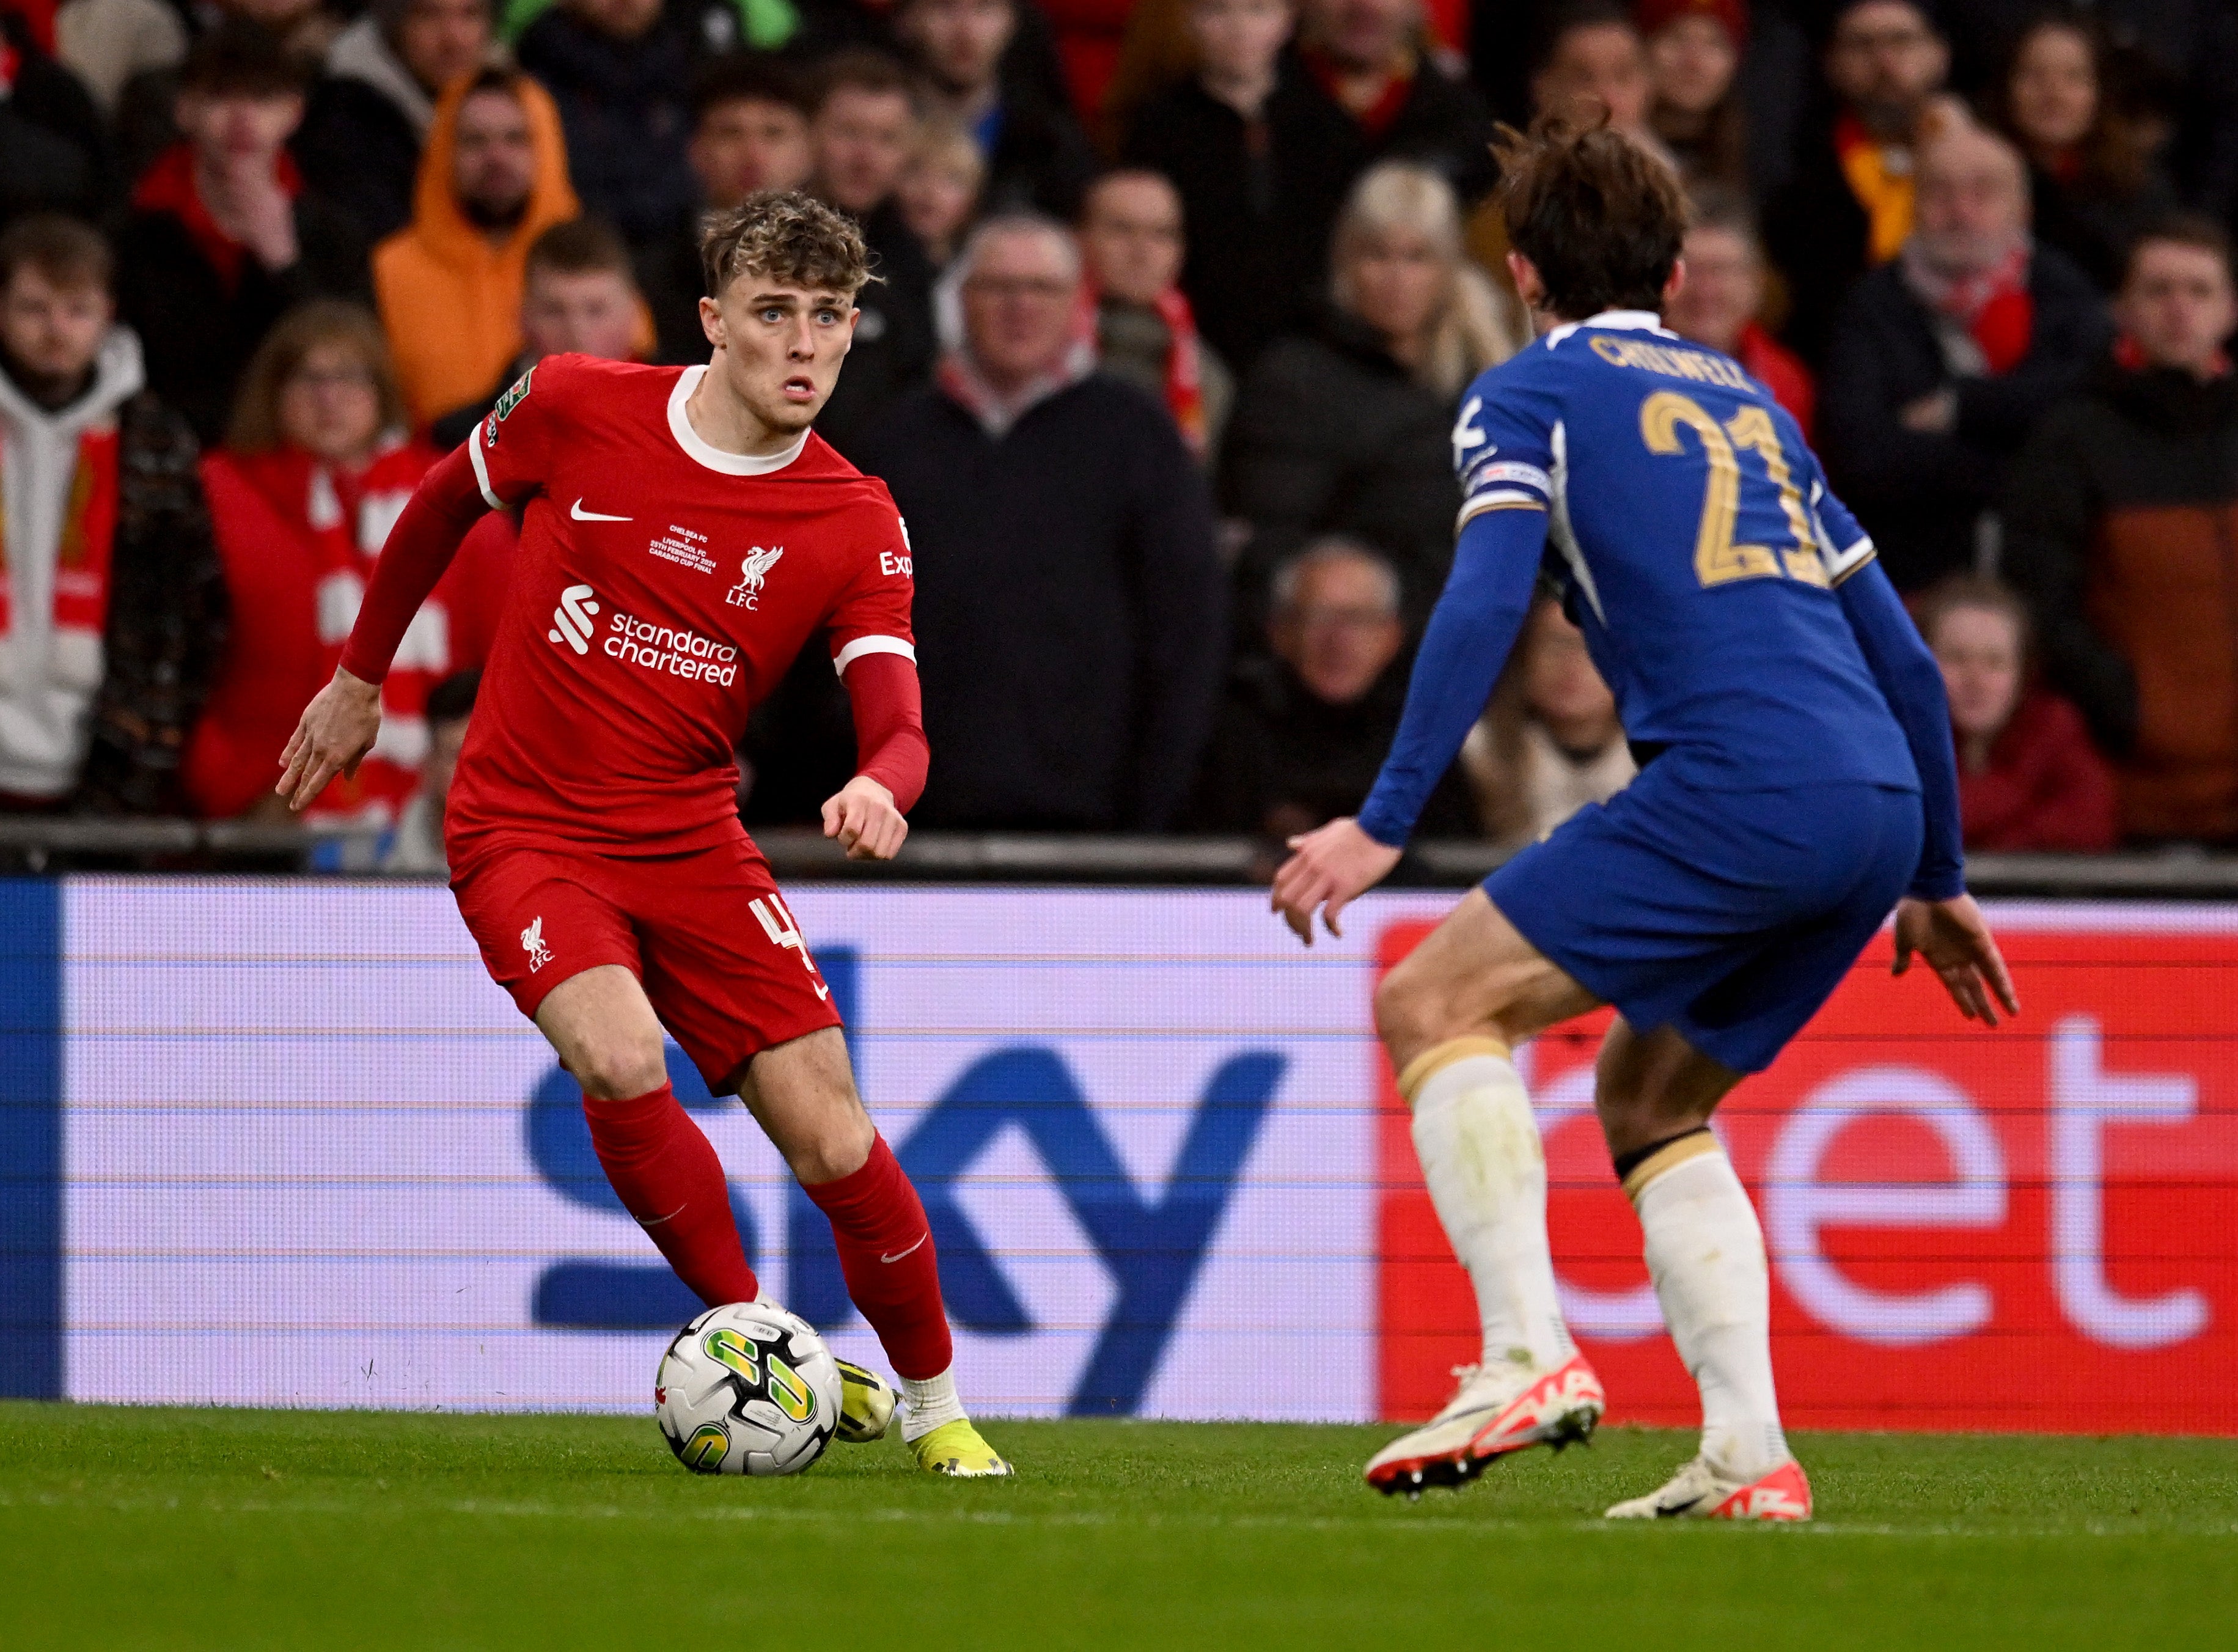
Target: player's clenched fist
[(861, 815), (337, 730), (1329, 868)]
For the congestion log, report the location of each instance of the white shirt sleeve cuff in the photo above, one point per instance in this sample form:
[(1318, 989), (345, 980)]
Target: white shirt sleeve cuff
[(855, 650)]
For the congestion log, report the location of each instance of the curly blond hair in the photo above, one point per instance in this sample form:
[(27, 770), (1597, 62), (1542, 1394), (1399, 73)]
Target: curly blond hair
[(788, 236)]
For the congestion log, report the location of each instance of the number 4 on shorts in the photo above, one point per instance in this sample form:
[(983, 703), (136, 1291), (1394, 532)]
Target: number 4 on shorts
[(780, 926)]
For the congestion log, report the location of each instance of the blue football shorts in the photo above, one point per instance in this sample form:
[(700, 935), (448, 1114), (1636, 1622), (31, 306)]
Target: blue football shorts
[(1728, 916)]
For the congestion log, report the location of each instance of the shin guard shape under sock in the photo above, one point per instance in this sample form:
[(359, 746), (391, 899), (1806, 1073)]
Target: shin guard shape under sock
[(668, 1176), (886, 1254)]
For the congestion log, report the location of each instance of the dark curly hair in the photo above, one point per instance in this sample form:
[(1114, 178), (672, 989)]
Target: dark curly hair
[(788, 236), (1600, 218)]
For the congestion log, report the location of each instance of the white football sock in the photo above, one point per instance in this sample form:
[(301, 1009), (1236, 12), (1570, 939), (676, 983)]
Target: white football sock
[(1481, 1155), (1705, 1253), (932, 1403)]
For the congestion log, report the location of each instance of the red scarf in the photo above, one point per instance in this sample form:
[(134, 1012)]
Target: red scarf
[(39, 17), (2130, 357), (343, 520), (1994, 304), (1184, 386), (80, 598), (169, 186), (1380, 115), (1184, 367)]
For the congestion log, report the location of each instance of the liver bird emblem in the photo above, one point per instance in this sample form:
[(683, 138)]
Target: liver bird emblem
[(753, 569)]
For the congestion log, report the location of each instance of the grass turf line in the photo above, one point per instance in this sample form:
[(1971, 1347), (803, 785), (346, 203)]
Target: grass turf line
[(251, 1529)]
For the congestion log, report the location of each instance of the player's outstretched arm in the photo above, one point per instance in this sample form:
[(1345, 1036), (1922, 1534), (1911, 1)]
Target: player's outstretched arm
[(1954, 938), (1911, 681), (338, 726), (867, 815), (1937, 920), (1479, 615), (337, 729), (1328, 869)]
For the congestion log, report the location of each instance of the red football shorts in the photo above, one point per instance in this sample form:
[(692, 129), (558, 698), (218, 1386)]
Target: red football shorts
[(706, 932)]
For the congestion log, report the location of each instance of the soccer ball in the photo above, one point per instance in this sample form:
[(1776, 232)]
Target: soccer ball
[(747, 1389)]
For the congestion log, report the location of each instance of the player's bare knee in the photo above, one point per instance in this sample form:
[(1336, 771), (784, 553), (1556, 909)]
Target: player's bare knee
[(614, 1069), (1627, 1118), (835, 1147), (1411, 1012)]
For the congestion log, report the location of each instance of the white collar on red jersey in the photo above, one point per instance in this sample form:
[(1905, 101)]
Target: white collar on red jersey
[(731, 464)]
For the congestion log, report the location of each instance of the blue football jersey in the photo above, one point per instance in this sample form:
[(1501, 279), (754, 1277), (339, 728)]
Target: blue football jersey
[(1693, 534)]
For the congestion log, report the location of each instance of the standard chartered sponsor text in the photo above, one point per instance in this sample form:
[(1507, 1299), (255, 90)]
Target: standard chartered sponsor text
[(668, 648)]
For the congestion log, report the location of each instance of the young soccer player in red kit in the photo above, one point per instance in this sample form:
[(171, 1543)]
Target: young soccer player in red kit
[(685, 534)]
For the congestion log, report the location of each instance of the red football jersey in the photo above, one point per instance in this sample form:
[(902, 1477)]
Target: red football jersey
[(662, 590)]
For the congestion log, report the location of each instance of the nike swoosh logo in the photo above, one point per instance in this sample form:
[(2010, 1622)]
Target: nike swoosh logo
[(1666, 1511), (823, 992), (919, 1245), (582, 515)]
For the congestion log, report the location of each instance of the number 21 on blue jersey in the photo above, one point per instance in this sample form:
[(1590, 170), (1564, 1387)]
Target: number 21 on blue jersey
[(1717, 560)]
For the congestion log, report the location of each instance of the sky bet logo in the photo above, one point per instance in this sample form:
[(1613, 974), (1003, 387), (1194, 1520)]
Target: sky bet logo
[(1152, 1242)]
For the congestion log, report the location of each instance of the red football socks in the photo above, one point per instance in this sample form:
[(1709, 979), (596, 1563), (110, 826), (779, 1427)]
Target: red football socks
[(666, 1170), (885, 1253)]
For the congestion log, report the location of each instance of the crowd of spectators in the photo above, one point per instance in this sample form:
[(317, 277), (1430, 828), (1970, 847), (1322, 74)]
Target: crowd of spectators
[(1174, 301)]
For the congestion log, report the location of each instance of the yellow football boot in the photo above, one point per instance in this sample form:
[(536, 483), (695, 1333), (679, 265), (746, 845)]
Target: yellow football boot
[(955, 1449), (866, 1404)]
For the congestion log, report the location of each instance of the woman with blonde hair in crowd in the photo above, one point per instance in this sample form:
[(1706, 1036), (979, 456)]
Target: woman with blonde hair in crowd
[(316, 468), (1397, 263), (940, 190), (1345, 429)]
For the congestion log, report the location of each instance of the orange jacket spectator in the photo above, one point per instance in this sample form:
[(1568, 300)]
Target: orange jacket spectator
[(449, 283)]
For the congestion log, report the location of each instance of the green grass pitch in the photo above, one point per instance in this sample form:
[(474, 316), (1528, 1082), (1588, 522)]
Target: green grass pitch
[(154, 1529)]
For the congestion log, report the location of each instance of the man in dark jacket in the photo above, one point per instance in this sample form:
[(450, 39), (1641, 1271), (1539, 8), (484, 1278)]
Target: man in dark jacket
[(1332, 434), (54, 152), (223, 239), (1261, 159), (1945, 360), (866, 121), (1366, 58), (1305, 729), (1068, 613), (370, 114), (1848, 208), (104, 661), (2122, 530), (749, 116), (621, 71), (1037, 157)]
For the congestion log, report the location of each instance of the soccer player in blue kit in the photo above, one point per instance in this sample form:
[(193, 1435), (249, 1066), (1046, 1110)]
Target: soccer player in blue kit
[(1797, 783)]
